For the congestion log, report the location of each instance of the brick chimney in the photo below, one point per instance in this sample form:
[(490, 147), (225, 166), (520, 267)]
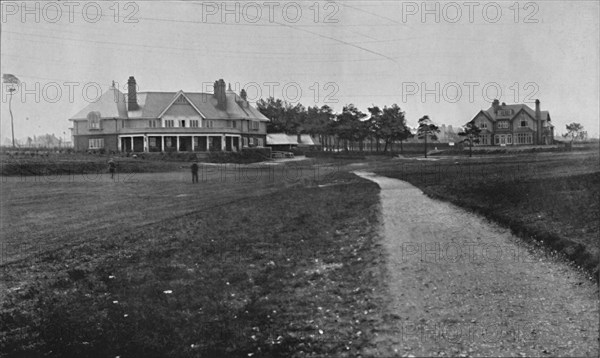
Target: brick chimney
[(132, 103), (496, 105), (243, 94), (219, 94), (538, 119)]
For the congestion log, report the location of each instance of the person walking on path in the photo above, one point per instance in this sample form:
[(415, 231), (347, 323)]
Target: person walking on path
[(112, 166), (194, 172)]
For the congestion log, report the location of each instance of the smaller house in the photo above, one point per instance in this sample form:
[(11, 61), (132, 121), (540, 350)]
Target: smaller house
[(282, 141), (514, 125)]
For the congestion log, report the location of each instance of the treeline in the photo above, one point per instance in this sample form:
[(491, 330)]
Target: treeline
[(350, 129)]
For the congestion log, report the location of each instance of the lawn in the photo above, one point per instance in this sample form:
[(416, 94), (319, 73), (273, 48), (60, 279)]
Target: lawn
[(282, 263), (552, 198)]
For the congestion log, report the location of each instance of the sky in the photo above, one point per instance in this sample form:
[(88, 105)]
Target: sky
[(447, 60)]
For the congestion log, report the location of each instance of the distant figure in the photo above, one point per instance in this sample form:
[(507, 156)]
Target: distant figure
[(194, 172), (112, 166)]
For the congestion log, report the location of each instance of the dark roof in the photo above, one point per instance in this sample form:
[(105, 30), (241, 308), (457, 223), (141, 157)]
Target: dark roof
[(152, 104), (516, 108)]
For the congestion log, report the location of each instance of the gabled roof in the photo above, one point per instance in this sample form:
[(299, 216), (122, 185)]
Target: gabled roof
[(177, 95), (486, 114), (516, 109), (111, 104), (154, 104)]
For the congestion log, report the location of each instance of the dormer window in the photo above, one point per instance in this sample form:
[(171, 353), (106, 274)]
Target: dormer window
[(523, 123), (94, 120)]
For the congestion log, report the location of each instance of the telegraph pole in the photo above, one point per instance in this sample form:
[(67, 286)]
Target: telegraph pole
[(11, 90)]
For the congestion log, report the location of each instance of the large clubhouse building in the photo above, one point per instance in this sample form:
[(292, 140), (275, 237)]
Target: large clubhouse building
[(514, 124), (169, 121)]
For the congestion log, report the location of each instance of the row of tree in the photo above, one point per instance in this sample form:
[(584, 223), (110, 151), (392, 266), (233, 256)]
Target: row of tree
[(350, 128)]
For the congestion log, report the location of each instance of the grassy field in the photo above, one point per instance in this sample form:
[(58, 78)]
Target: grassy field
[(282, 264), (552, 198), (278, 259)]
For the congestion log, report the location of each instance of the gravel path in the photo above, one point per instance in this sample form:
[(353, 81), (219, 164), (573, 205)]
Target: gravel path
[(461, 286)]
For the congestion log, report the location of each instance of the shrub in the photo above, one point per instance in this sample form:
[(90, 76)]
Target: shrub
[(248, 155)]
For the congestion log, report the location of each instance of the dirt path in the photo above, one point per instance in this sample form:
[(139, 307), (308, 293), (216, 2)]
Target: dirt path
[(461, 286)]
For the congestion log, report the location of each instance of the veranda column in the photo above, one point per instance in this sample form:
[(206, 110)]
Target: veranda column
[(131, 143), (192, 143), (177, 144), (207, 143), (119, 143), (145, 143), (162, 141), (222, 142)]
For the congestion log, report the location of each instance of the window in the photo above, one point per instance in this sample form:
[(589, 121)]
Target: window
[(505, 112), (180, 100), (194, 123), (509, 139), (168, 142), (524, 124), (260, 142), (152, 141), (209, 124), (231, 124), (169, 123), (234, 124), (245, 141), (96, 143), (497, 139), (94, 120), (254, 125), (483, 125), (152, 123), (182, 123), (502, 125), (524, 138)]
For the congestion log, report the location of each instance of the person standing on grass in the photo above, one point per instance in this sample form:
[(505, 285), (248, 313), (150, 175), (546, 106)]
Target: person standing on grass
[(112, 166), (194, 172)]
